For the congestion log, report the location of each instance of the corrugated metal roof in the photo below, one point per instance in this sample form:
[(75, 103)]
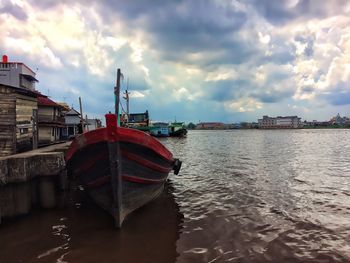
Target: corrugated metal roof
[(45, 101)]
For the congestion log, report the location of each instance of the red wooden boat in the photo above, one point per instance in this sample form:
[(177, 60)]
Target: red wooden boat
[(122, 169)]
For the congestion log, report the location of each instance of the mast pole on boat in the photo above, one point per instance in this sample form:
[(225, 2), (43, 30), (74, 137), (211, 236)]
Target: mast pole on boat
[(117, 94), (127, 99), (114, 157)]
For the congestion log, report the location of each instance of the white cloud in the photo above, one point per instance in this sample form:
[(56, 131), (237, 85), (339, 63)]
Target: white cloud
[(221, 74), (329, 64), (243, 105), (136, 94), (265, 39), (300, 60)]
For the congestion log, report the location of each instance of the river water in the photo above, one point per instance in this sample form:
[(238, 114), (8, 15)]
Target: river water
[(243, 196)]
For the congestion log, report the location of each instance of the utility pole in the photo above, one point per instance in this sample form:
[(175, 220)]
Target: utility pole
[(81, 114), (127, 93)]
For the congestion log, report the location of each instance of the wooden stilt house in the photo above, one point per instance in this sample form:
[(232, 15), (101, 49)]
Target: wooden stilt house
[(18, 108)]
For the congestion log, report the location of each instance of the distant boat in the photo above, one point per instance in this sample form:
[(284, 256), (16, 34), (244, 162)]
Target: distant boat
[(177, 129), (122, 169), (159, 129)]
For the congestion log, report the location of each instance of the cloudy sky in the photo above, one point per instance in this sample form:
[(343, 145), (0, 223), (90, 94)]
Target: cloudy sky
[(218, 60)]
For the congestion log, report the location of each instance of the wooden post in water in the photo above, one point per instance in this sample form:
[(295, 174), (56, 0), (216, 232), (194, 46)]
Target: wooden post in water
[(114, 157)]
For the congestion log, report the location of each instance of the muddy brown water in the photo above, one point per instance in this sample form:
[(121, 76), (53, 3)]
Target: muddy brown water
[(243, 196)]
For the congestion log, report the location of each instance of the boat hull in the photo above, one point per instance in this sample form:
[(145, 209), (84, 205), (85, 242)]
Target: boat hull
[(134, 196), (178, 133), (159, 131), (143, 165)]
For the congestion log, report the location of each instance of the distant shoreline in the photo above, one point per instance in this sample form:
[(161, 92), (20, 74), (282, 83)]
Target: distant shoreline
[(301, 128)]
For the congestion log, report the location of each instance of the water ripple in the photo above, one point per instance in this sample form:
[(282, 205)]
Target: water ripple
[(264, 196)]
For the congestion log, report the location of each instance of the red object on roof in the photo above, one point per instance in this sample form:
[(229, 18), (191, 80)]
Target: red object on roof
[(4, 59)]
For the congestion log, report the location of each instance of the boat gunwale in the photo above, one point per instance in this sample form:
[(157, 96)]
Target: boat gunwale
[(122, 135)]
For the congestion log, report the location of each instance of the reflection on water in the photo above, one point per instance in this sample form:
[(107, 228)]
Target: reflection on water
[(84, 233), (244, 196)]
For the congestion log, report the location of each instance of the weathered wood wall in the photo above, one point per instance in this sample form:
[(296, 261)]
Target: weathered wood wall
[(45, 135), (7, 121), (16, 129), (24, 113), (47, 113)]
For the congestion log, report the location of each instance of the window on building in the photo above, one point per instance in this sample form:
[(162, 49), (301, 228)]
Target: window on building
[(23, 130)]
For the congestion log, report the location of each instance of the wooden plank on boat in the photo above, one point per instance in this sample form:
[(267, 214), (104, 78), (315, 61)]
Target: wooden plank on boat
[(114, 162)]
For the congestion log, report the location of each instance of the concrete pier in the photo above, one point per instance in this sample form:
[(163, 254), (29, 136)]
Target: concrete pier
[(32, 179)]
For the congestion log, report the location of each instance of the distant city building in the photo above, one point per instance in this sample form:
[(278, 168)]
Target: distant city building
[(339, 120), (248, 125), (279, 122), (315, 124), (210, 126)]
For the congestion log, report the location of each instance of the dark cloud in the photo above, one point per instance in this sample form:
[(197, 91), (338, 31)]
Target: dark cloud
[(205, 34), (180, 30), (275, 88), (15, 11), (48, 4), (280, 12), (307, 89), (202, 33), (280, 57), (340, 95), (272, 95), (226, 90), (278, 75)]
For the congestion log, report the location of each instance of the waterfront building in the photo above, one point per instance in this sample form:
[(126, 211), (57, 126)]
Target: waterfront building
[(18, 112), (72, 121), (16, 74), (340, 120), (93, 124), (50, 120), (316, 124), (279, 122), (64, 106), (248, 125), (210, 126)]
